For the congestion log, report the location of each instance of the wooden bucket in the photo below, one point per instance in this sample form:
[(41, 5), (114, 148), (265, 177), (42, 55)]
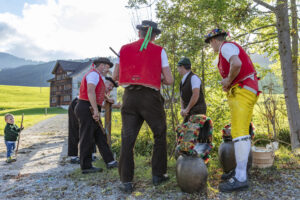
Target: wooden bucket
[(262, 158)]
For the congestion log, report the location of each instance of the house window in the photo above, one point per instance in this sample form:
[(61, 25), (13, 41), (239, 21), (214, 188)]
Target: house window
[(53, 100), (53, 89), (67, 87), (67, 98)]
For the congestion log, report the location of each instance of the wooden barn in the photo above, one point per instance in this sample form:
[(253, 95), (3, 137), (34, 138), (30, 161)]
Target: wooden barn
[(66, 83)]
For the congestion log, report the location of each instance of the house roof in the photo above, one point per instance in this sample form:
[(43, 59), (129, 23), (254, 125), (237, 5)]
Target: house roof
[(71, 66)]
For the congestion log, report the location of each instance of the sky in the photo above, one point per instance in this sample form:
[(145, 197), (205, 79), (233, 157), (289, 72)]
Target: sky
[(45, 30)]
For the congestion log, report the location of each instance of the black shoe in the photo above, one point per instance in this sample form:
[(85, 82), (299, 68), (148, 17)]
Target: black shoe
[(156, 180), (233, 185), (111, 165), (91, 170), (75, 160), (126, 187), (227, 176)]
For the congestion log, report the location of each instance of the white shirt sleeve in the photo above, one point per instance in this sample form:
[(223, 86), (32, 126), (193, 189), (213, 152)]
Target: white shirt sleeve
[(195, 81), (164, 59), (228, 50), (92, 78)]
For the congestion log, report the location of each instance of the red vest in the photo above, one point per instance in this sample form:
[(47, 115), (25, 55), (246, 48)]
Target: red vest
[(247, 69), (140, 67), (100, 89)]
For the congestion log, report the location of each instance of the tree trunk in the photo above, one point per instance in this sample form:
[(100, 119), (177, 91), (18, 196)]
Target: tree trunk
[(203, 72), (285, 52), (295, 36)]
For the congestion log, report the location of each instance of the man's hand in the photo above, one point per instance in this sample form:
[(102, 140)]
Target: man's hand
[(108, 99), (96, 115), (184, 112), (226, 83)]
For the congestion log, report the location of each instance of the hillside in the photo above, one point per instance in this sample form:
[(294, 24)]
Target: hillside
[(28, 75), (10, 61)]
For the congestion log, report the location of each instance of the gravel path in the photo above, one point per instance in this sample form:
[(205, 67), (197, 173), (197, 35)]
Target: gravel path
[(42, 171)]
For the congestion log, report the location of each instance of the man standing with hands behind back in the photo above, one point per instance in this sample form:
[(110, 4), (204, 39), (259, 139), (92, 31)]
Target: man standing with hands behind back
[(139, 70)]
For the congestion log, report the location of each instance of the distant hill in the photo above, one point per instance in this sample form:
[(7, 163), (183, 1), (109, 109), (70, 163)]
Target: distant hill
[(28, 75), (10, 61)]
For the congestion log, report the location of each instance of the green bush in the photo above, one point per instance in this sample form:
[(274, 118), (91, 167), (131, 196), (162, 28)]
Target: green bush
[(284, 135)]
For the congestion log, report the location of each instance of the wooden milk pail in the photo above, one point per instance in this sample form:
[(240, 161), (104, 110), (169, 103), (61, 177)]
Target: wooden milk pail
[(262, 157)]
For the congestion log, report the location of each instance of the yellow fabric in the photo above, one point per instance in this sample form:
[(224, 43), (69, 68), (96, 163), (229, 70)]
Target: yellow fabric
[(241, 102)]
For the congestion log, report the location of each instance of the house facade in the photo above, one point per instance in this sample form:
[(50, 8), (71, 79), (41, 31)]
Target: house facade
[(66, 82)]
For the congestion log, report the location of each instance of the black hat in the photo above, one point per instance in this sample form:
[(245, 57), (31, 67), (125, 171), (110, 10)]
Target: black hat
[(103, 60), (111, 80), (146, 24), (214, 33), (184, 61)]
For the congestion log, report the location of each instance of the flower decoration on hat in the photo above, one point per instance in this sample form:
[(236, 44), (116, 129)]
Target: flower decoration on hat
[(215, 32)]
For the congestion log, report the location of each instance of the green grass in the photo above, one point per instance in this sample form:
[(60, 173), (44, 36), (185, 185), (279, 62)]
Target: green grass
[(32, 101), (284, 161)]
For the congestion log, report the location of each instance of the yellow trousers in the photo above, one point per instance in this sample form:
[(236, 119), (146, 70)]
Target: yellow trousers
[(241, 102)]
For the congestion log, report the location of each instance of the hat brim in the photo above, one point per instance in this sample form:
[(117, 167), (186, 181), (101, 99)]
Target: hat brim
[(155, 30), (207, 40), (112, 81), (105, 62)]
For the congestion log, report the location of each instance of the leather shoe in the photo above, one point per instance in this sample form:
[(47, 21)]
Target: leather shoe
[(91, 170), (159, 179), (233, 185), (112, 164), (227, 176), (126, 187), (75, 160)]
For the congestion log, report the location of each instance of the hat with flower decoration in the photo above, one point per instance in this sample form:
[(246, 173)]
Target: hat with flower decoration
[(214, 33)]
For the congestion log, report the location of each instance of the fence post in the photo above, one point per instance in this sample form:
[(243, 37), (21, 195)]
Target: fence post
[(108, 109)]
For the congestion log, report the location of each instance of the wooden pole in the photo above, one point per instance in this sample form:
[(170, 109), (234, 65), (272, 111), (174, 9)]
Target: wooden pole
[(108, 109), (19, 136)]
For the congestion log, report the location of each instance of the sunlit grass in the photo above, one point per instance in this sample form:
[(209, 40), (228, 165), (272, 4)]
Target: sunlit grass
[(32, 101)]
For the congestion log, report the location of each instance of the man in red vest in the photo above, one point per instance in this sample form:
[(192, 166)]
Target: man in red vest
[(140, 70), (91, 94), (241, 84)]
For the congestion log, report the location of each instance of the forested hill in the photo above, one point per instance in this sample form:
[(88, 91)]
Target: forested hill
[(28, 75), (10, 61)]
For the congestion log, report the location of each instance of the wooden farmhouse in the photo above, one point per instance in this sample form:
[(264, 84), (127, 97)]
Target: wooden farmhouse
[(65, 85)]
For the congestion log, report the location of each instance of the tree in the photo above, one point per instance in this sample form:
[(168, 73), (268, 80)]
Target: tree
[(283, 33)]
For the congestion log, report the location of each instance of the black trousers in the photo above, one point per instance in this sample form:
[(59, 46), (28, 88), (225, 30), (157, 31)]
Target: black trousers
[(141, 105), (73, 128), (89, 135), (195, 111)]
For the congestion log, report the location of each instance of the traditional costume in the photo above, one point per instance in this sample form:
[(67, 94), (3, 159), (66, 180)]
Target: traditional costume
[(242, 97), (89, 131)]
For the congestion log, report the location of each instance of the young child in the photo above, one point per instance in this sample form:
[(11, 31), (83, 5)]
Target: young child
[(11, 133)]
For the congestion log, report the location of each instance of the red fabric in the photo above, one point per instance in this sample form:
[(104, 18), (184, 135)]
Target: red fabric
[(140, 67), (247, 68), (100, 89)]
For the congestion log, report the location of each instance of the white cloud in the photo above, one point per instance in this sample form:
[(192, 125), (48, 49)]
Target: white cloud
[(65, 29)]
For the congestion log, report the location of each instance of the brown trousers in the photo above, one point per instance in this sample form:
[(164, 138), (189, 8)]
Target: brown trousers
[(139, 105)]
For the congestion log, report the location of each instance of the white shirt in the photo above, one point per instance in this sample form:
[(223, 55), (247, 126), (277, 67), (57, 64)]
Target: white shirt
[(93, 78), (164, 59), (228, 50), (195, 80)]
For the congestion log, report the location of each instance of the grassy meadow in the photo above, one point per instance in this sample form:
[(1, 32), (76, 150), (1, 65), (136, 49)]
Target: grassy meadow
[(32, 101)]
